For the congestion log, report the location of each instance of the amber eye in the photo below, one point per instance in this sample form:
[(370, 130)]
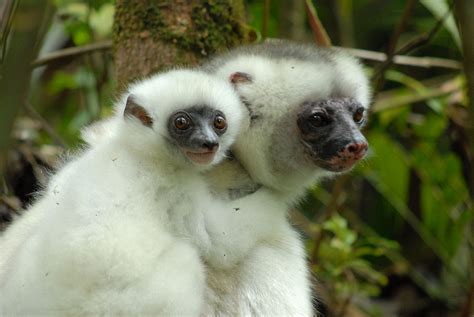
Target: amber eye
[(181, 123), (317, 120), (359, 115), (220, 123)]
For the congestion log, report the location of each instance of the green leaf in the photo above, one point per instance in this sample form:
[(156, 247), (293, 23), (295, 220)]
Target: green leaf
[(439, 8), (61, 81), (389, 161), (338, 226), (416, 85)]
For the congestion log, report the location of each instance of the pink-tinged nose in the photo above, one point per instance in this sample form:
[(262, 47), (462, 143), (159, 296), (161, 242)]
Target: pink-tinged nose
[(210, 145), (357, 150)]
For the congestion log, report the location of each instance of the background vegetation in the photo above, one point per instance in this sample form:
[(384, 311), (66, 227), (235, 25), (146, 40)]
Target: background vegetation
[(392, 238)]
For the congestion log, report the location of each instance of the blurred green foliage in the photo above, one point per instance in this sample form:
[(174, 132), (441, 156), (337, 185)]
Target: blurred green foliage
[(410, 189)]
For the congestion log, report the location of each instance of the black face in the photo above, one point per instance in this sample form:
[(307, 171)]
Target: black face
[(196, 130), (330, 131)]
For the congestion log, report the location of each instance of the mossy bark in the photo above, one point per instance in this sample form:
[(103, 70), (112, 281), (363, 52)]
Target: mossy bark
[(151, 35)]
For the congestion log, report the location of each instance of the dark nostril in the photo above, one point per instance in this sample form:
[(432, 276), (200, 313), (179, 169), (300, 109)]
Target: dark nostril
[(357, 147), (211, 146), (352, 147)]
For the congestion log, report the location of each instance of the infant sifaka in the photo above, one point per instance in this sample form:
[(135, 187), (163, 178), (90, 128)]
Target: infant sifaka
[(121, 227)]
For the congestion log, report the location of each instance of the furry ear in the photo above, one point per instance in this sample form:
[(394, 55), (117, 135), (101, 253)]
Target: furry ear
[(137, 111), (240, 77)]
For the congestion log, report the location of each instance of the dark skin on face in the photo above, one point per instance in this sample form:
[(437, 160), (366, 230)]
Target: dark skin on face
[(330, 131), (197, 127), (196, 130)]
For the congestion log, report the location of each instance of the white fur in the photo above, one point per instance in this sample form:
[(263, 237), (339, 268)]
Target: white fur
[(117, 228), (273, 280), (255, 262), (279, 86)]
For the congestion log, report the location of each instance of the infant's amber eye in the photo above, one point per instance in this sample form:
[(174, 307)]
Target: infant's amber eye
[(359, 115), (220, 123), (181, 123)]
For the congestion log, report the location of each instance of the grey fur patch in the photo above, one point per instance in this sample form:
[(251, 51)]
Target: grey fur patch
[(253, 115), (236, 193), (277, 49)]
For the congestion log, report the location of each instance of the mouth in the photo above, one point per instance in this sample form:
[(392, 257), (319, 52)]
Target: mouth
[(338, 163), (201, 157)]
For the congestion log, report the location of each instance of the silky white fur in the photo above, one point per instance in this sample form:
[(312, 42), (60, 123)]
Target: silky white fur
[(270, 150), (120, 228), (271, 277), (255, 262), (273, 280)]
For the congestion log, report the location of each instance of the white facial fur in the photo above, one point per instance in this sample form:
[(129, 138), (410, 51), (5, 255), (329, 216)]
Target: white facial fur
[(270, 149), (162, 96)]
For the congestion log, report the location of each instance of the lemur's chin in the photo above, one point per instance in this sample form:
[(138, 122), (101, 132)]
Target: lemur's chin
[(201, 158), (338, 164), (336, 168)]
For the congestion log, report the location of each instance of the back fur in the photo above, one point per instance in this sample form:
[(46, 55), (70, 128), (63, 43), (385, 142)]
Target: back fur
[(270, 277), (274, 279)]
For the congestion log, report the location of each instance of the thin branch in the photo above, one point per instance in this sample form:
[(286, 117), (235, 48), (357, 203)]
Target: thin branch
[(424, 38), (411, 45), (379, 75), (425, 62), (469, 303), (320, 35), (266, 17), (464, 14), (401, 25), (44, 125), (72, 51), (396, 98), (343, 14), (331, 208)]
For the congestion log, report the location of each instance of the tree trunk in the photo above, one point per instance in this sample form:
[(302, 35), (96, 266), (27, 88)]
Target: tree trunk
[(151, 35)]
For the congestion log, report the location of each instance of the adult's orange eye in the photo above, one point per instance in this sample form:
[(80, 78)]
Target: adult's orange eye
[(220, 123), (181, 123), (359, 115), (317, 120)]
